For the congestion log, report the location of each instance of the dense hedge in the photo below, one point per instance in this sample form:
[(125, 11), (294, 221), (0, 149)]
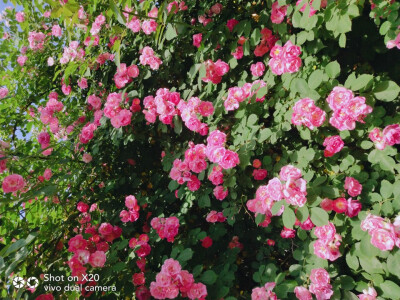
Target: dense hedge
[(230, 150)]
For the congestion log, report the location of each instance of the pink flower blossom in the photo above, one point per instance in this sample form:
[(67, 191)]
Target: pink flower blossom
[(257, 69), (333, 145), (231, 24), (352, 186), (20, 16), (56, 31), (13, 183), (220, 193), (197, 39), (306, 113), (278, 13), (97, 259), (302, 293)]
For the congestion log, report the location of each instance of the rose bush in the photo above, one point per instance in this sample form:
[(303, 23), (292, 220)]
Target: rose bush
[(201, 149)]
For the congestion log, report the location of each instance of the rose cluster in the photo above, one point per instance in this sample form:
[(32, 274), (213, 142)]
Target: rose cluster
[(195, 161), (306, 113), (328, 243), (189, 113), (93, 250), (112, 109), (320, 286), (215, 71), (264, 293), (347, 109), (285, 59), (142, 248), (133, 214), (167, 228), (148, 57), (384, 235), (390, 136), (172, 280), (267, 42), (125, 74), (237, 94)]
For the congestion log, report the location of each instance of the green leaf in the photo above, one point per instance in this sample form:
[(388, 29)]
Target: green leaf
[(204, 201), (352, 261), (300, 86), (276, 207), (260, 218), (390, 289), (386, 91), (333, 69), (170, 33), (302, 213), (386, 189), (342, 40), (117, 13), (361, 82), (315, 79), (185, 255), (177, 125), (288, 218), (393, 263), (319, 216), (208, 277)]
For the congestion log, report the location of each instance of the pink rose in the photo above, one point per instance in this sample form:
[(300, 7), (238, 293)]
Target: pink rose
[(259, 174), (333, 145), (97, 259), (352, 186), (86, 158), (13, 183), (257, 69), (302, 293), (391, 134), (231, 24), (319, 277), (20, 16), (353, 208), (56, 31), (278, 13), (287, 233), (382, 239), (220, 193), (197, 39)]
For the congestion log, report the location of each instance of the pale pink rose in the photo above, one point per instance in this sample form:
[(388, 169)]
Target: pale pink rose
[(50, 61), (302, 293), (305, 112), (326, 232), (3, 92), (377, 137), (287, 233), (123, 118), (391, 134), (149, 26), (238, 53), (47, 14), (197, 291), (21, 60), (333, 145), (94, 101), (274, 189), (220, 193), (13, 183), (97, 259), (56, 31), (197, 39), (339, 97), (216, 138), (369, 294), (133, 71), (319, 277), (86, 158), (278, 13), (382, 239), (372, 222), (257, 69), (229, 160), (352, 186), (20, 17), (289, 171), (82, 83), (47, 174)]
